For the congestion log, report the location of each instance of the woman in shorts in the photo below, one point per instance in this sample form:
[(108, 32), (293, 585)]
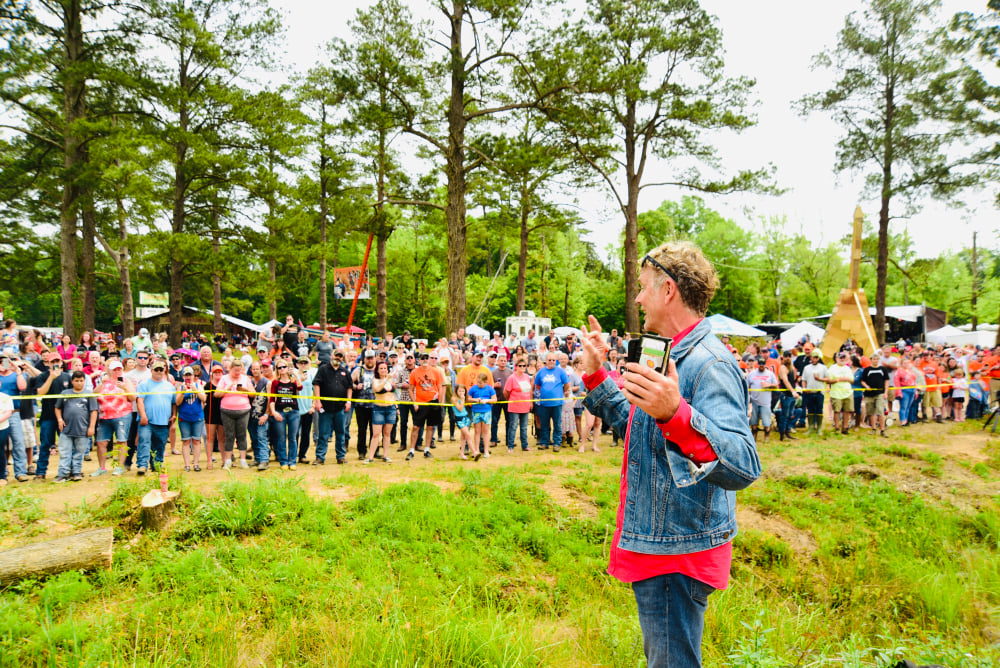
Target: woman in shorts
[(215, 434), (191, 417), (383, 412)]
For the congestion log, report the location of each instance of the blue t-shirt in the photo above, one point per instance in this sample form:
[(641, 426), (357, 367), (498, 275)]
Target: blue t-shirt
[(476, 393), (550, 382), (158, 398), (8, 385), (191, 408)]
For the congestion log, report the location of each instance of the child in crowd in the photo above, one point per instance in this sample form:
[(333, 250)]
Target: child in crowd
[(461, 413)]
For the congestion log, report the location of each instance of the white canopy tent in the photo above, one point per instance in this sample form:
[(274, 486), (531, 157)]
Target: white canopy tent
[(945, 334), (476, 330), (724, 325), (791, 336)]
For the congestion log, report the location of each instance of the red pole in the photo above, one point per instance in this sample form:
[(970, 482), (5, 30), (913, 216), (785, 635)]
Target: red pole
[(361, 279)]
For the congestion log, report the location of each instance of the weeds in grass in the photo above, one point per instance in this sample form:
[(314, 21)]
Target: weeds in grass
[(347, 479)]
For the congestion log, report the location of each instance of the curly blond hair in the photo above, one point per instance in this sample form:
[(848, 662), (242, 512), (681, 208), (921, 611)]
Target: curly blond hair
[(695, 276)]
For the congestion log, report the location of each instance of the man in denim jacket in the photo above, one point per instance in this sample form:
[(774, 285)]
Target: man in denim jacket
[(688, 448)]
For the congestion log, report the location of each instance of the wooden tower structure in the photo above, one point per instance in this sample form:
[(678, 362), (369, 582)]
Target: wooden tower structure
[(850, 318)]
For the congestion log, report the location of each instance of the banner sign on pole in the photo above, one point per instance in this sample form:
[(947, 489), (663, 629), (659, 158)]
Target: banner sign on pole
[(149, 312), (345, 282)]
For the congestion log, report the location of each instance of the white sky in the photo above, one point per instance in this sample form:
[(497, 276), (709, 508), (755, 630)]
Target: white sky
[(774, 42)]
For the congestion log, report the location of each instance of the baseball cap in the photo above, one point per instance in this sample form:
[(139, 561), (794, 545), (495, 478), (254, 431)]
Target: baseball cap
[(143, 332), (493, 353), (187, 371), (114, 365), (302, 359), (369, 354), (174, 356), (393, 353), (158, 365), (816, 352)]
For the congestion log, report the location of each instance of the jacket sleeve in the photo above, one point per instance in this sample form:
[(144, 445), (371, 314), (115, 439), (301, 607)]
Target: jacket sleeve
[(606, 401), (719, 413)]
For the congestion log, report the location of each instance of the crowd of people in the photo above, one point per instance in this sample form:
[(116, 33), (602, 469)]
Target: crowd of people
[(125, 403), (900, 383)]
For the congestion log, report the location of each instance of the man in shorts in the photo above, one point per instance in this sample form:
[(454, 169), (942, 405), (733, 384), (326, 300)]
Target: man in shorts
[(875, 379), (759, 381), (425, 388), (839, 377)]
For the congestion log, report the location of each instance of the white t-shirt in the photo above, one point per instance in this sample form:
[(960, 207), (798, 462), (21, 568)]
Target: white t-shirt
[(6, 404)]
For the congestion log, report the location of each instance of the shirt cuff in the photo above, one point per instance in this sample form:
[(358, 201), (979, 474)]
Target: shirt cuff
[(691, 443), (592, 380)]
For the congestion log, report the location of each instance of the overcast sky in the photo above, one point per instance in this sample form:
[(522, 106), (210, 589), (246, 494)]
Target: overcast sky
[(774, 42)]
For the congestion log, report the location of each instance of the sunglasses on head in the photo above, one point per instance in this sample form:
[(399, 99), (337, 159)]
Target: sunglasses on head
[(659, 266)]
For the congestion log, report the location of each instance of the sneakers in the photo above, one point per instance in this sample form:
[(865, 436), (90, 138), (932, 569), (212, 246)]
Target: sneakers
[(76, 477), (228, 464), (409, 455), (141, 470), (319, 462), (243, 464), (98, 473), (428, 454), (368, 461), (303, 460), (60, 479), (262, 466), (555, 448), (341, 460), (291, 467), (22, 478), (386, 460), (39, 476)]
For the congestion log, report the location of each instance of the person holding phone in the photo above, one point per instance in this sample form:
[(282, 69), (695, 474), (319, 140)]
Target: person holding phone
[(114, 404), (687, 449)]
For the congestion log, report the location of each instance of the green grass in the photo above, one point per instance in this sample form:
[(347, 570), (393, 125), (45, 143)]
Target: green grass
[(494, 572)]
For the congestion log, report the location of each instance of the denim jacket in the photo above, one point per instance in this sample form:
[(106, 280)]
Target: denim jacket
[(673, 506)]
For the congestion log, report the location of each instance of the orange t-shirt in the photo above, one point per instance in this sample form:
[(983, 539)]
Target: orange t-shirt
[(930, 371), (992, 361), (425, 384)]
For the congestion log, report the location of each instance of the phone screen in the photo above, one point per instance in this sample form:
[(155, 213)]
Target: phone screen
[(650, 351)]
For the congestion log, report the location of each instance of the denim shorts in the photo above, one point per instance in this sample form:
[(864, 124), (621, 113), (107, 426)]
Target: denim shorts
[(191, 430), (383, 415), (115, 427), (485, 418)]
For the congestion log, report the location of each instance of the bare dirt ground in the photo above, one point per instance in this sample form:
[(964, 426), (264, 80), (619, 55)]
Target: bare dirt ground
[(933, 460)]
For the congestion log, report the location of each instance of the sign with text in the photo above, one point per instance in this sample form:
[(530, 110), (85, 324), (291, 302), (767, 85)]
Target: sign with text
[(345, 282), (149, 312), (154, 298)]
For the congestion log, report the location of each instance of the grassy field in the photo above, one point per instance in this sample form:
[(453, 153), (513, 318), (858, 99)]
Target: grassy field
[(853, 551)]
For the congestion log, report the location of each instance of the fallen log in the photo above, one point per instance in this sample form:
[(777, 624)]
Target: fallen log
[(156, 509), (83, 551)]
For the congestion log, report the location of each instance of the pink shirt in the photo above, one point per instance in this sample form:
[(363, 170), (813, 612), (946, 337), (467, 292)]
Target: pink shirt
[(709, 566), (235, 402), (112, 402), (519, 393)]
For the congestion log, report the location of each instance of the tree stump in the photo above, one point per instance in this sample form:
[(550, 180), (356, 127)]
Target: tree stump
[(156, 509), (82, 551)]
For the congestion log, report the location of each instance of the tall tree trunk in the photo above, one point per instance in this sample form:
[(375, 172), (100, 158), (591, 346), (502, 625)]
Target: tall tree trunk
[(87, 260), (324, 212), (975, 286), (882, 263), (74, 109), (122, 261), (382, 235), (455, 172), (522, 254), (216, 274), (633, 174), (177, 227)]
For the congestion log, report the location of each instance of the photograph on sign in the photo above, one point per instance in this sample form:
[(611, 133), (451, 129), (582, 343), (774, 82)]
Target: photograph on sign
[(345, 282)]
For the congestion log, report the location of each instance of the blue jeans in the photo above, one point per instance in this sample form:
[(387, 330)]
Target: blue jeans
[(905, 402), (17, 452), (331, 422), (787, 411), (4, 438), (71, 452), (498, 410), (517, 422), (288, 441), (547, 414), (258, 439), (151, 441), (47, 432), (672, 617)]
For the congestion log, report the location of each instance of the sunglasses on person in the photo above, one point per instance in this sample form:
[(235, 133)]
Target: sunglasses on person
[(281, 368), (522, 366), (302, 362), (659, 266)]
